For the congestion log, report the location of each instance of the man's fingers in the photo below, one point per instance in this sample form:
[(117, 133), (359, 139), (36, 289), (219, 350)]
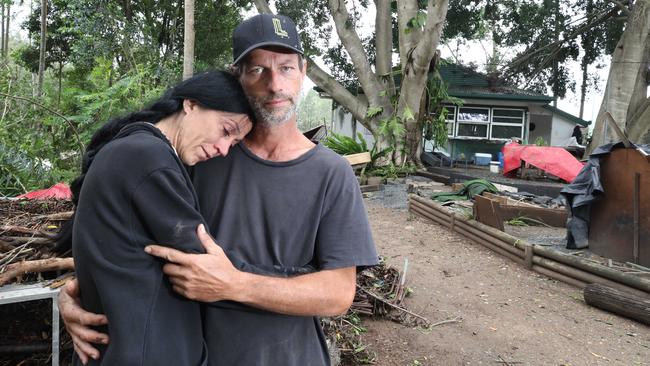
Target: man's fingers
[(168, 254), (88, 335), (85, 350), (210, 246), (82, 356)]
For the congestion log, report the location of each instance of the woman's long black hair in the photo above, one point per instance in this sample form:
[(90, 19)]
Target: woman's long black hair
[(217, 90)]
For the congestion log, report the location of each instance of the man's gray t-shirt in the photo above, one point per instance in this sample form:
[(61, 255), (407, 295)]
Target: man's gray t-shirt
[(304, 212)]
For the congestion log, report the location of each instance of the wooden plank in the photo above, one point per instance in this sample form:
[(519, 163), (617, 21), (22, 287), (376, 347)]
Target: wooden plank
[(360, 158), (371, 188), (487, 212), (618, 302)]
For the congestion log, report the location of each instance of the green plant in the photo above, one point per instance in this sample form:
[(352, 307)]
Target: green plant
[(540, 141), (345, 145)]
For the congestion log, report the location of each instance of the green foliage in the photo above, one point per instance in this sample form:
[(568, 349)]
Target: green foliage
[(392, 170), (374, 111), (540, 141), (435, 123), (345, 145), (547, 34), (417, 22)]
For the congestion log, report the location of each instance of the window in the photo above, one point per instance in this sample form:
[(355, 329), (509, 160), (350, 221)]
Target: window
[(507, 123), (473, 122), (484, 123)]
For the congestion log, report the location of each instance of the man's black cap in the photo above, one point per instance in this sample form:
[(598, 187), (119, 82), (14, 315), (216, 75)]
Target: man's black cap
[(264, 30)]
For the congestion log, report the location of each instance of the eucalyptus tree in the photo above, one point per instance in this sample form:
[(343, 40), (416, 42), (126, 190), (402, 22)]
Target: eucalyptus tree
[(625, 98)]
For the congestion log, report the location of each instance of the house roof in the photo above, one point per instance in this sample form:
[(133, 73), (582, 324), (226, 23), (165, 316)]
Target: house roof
[(568, 116), (467, 83)]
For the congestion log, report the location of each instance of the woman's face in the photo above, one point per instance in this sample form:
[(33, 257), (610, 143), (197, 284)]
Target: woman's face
[(205, 133)]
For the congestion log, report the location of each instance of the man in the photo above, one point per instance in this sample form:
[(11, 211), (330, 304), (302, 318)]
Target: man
[(277, 200)]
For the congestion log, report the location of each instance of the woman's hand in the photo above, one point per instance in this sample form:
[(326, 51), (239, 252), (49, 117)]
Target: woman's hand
[(78, 321), (201, 277)]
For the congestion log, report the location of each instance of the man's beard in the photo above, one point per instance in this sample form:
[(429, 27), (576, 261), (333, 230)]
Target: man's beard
[(277, 117)]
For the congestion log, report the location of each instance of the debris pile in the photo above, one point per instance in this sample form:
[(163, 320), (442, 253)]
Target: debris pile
[(380, 293), (27, 229)]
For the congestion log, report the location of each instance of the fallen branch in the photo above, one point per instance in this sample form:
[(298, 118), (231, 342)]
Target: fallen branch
[(25, 230), (43, 265), (59, 216), (26, 240), (387, 302)]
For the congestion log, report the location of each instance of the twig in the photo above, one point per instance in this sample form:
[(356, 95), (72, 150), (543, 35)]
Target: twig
[(51, 264), (385, 301), (457, 319)]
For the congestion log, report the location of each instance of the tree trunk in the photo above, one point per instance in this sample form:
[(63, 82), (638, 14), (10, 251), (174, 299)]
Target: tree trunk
[(41, 58), (583, 88), (415, 73), (58, 102), (2, 33), (7, 22), (188, 41), (622, 79)]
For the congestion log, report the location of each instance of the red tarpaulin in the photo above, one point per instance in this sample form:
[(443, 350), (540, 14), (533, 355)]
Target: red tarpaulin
[(553, 160), (59, 191)]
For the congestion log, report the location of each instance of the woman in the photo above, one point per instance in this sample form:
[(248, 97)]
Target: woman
[(135, 191)]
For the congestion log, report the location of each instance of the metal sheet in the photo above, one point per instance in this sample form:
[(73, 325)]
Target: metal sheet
[(612, 229)]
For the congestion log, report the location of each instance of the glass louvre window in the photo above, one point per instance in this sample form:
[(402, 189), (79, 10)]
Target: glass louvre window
[(473, 122), (507, 123), (451, 117)]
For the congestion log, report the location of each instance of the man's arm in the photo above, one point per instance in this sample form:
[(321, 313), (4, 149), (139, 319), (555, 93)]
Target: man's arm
[(211, 277), (78, 322)]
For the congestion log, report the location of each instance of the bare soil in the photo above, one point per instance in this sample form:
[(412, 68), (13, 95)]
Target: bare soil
[(510, 316)]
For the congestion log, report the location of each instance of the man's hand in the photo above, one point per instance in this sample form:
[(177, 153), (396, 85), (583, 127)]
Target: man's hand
[(78, 321), (202, 277), (212, 277)]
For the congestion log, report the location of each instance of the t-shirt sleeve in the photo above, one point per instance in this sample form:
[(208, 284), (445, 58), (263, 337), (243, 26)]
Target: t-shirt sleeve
[(344, 238), (165, 205)]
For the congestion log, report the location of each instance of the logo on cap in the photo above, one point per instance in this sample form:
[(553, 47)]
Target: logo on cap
[(277, 26)]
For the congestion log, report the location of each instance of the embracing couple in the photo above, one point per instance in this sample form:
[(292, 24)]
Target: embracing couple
[(260, 237)]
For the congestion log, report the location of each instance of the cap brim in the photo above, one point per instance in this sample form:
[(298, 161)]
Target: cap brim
[(262, 44)]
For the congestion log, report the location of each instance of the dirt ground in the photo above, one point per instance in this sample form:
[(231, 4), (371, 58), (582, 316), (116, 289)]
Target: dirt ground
[(510, 316)]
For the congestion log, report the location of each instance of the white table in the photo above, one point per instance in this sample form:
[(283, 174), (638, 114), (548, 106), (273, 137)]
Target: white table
[(10, 294)]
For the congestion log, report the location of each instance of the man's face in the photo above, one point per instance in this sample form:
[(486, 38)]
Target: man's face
[(272, 80)]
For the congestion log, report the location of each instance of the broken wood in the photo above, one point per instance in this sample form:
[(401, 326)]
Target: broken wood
[(618, 302), (356, 159), (26, 240), (43, 265), (59, 216)]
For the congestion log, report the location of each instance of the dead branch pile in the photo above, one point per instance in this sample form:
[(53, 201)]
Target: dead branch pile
[(27, 229), (380, 294)]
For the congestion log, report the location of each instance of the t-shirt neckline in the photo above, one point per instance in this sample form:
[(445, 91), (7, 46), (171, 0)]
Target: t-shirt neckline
[(295, 161)]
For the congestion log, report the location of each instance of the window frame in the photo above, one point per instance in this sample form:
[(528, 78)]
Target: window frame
[(521, 124), (473, 122)]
